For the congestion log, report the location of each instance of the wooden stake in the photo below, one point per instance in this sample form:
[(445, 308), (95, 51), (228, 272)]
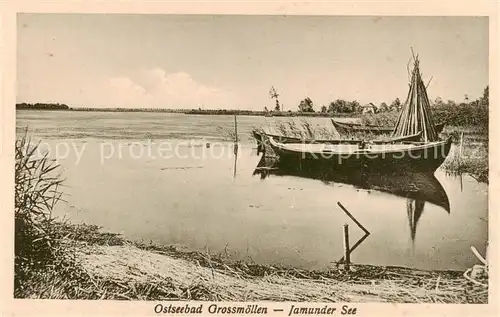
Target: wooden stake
[(461, 145), (235, 129), (235, 146), (235, 136), (347, 253), (352, 217), (367, 233)]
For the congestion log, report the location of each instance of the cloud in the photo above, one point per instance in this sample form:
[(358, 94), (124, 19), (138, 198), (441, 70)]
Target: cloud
[(124, 92), (154, 88)]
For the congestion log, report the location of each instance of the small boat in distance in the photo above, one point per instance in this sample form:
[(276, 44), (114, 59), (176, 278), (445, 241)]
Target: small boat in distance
[(347, 127)]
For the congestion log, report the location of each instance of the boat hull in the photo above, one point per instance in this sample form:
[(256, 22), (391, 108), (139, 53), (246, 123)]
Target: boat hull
[(346, 128), (263, 141), (286, 139), (423, 158)]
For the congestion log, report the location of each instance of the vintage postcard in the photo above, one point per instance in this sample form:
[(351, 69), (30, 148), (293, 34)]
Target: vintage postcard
[(289, 160)]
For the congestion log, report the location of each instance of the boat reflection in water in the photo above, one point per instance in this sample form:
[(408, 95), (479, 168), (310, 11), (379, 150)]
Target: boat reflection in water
[(417, 188)]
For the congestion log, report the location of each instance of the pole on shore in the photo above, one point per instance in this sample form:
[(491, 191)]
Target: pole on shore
[(347, 252)]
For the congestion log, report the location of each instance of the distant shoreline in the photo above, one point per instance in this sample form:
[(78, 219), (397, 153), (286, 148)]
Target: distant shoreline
[(57, 107)]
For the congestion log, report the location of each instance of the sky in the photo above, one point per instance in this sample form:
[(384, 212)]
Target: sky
[(231, 61)]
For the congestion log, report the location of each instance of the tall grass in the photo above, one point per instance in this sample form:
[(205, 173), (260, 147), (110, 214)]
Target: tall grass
[(473, 158), (302, 129), (37, 190), (46, 264)]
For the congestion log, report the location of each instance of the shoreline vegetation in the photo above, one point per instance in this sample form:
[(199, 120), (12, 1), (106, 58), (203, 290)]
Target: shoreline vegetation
[(63, 107), (55, 259)]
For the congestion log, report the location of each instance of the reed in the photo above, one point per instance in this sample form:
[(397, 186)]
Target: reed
[(383, 118), (37, 190), (226, 133), (303, 129), (45, 263)]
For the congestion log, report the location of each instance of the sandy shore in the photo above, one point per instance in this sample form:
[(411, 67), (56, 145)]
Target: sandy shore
[(119, 269)]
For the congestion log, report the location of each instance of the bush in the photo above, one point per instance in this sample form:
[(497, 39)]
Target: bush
[(471, 114)]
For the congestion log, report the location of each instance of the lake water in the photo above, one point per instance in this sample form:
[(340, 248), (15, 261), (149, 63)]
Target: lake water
[(152, 177)]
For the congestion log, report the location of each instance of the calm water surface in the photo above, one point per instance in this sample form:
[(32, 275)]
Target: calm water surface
[(198, 199)]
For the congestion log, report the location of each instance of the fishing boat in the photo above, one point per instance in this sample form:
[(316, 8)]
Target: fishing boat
[(348, 127), (262, 138), (415, 117), (401, 139), (411, 156), (287, 139)]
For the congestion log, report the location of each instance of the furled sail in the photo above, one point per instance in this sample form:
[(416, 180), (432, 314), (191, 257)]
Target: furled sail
[(416, 114)]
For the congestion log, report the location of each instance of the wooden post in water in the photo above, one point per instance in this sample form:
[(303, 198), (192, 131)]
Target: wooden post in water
[(367, 233), (347, 252), (461, 145), (235, 146), (235, 135)]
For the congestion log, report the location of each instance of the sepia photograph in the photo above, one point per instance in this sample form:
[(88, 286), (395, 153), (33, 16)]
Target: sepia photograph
[(211, 162)]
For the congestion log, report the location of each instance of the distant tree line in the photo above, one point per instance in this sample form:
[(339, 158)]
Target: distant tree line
[(42, 106), (341, 106), (464, 111)]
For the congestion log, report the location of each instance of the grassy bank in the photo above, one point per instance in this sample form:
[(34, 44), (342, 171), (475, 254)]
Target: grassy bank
[(97, 265), (469, 154), (59, 260)]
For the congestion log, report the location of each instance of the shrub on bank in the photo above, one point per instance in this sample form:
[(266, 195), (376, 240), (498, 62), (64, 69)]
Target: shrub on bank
[(471, 114)]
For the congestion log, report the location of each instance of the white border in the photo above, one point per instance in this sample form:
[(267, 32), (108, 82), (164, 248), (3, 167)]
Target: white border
[(9, 307)]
